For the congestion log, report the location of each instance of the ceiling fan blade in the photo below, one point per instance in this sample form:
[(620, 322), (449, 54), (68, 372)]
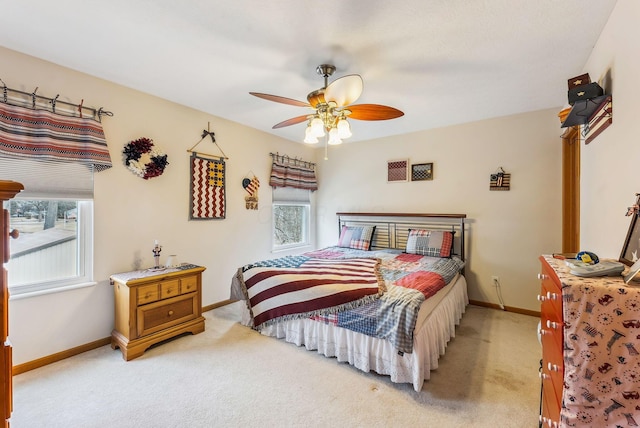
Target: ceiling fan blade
[(291, 121), (373, 112), (345, 90), (279, 99)]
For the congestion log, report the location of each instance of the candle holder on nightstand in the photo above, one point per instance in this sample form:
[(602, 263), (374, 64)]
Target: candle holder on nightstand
[(156, 255)]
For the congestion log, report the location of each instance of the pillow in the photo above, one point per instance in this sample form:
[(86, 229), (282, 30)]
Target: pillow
[(434, 243), (357, 237)]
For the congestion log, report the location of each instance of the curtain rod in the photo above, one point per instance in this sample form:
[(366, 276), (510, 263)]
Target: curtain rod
[(296, 161), (50, 103)]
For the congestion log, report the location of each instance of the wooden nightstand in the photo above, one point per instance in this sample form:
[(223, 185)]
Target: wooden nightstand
[(152, 306)]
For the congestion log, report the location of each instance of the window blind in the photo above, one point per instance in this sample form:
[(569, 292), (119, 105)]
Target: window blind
[(290, 194), (46, 179)]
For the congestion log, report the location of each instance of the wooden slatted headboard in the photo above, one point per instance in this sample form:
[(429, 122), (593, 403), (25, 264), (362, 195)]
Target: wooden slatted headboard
[(392, 229)]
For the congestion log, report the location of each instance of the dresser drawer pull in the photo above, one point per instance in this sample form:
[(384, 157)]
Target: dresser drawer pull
[(541, 298), (543, 276), (170, 313), (543, 376), (542, 332), (553, 367), (552, 296), (552, 324)]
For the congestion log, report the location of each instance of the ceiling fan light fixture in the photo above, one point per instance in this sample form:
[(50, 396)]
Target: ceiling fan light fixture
[(344, 129), (309, 138), (317, 127), (332, 105), (334, 138)]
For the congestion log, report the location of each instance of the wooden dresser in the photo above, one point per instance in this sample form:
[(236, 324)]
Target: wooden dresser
[(551, 336), (8, 190), (590, 334), (152, 306)]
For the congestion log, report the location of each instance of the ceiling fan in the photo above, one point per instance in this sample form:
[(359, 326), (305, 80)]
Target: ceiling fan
[(332, 105)]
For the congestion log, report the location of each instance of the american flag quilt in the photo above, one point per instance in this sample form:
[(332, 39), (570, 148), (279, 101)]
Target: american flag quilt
[(208, 197), (301, 286)]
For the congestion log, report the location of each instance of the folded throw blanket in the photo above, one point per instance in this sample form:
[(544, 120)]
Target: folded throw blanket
[(301, 286)]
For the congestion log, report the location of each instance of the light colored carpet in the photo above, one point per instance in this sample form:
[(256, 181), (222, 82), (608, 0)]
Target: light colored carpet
[(231, 376)]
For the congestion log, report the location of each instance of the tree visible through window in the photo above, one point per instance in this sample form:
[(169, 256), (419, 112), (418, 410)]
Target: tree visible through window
[(290, 224)]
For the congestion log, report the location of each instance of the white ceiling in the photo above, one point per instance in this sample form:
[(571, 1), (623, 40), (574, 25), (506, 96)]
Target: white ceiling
[(442, 62)]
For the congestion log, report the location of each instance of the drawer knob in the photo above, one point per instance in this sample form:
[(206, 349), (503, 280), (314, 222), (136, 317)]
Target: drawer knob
[(543, 276), (552, 324), (541, 298), (170, 313), (553, 367), (543, 376), (552, 296), (14, 233), (542, 332)]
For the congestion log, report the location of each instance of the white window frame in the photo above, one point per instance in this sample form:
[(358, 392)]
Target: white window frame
[(306, 225), (85, 260)]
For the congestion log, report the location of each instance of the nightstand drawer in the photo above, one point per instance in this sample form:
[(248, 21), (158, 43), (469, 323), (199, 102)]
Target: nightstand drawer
[(166, 313), (169, 288), (188, 284), (147, 294)]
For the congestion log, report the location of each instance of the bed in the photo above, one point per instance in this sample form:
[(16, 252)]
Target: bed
[(405, 293)]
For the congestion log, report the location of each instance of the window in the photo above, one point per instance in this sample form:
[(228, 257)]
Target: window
[(51, 250), (54, 215), (291, 218)]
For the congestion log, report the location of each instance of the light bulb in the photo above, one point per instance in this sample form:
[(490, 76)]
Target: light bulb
[(309, 138), (334, 138), (317, 127), (344, 129)]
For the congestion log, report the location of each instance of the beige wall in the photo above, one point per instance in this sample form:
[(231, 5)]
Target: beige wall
[(508, 229), (130, 213), (610, 173)]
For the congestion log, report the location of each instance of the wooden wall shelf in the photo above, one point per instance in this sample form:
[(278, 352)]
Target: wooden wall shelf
[(582, 111)]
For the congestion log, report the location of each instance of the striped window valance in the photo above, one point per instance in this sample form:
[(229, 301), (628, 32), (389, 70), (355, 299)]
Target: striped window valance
[(42, 135), (286, 172)]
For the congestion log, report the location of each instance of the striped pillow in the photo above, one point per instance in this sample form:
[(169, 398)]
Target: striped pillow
[(358, 237), (434, 243)]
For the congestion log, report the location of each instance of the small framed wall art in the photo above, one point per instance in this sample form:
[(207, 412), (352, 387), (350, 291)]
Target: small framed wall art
[(422, 171), (397, 170), (500, 180)]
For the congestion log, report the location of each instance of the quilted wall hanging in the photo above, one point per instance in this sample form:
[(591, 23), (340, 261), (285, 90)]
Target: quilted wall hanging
[(208, 197), (208, 194)]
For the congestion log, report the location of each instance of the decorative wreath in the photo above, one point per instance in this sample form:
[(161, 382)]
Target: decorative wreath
[(154, 162)]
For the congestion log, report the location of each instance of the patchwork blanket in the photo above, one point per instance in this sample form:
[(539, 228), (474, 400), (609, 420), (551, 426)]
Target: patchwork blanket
[(303, 286), (410, 280)]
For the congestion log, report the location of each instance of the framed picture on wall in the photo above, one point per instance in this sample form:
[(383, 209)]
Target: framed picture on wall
[(422, 171), (631, 248), (397, 170)]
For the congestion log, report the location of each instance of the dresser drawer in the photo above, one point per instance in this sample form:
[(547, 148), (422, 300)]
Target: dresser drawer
[(550, 407), (166, 313)]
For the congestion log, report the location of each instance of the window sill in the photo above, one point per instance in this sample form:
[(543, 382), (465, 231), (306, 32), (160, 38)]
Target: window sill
[(291, 248), (27, 292)]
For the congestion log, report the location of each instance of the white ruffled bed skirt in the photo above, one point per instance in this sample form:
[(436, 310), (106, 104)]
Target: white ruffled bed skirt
[(436, 326)]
